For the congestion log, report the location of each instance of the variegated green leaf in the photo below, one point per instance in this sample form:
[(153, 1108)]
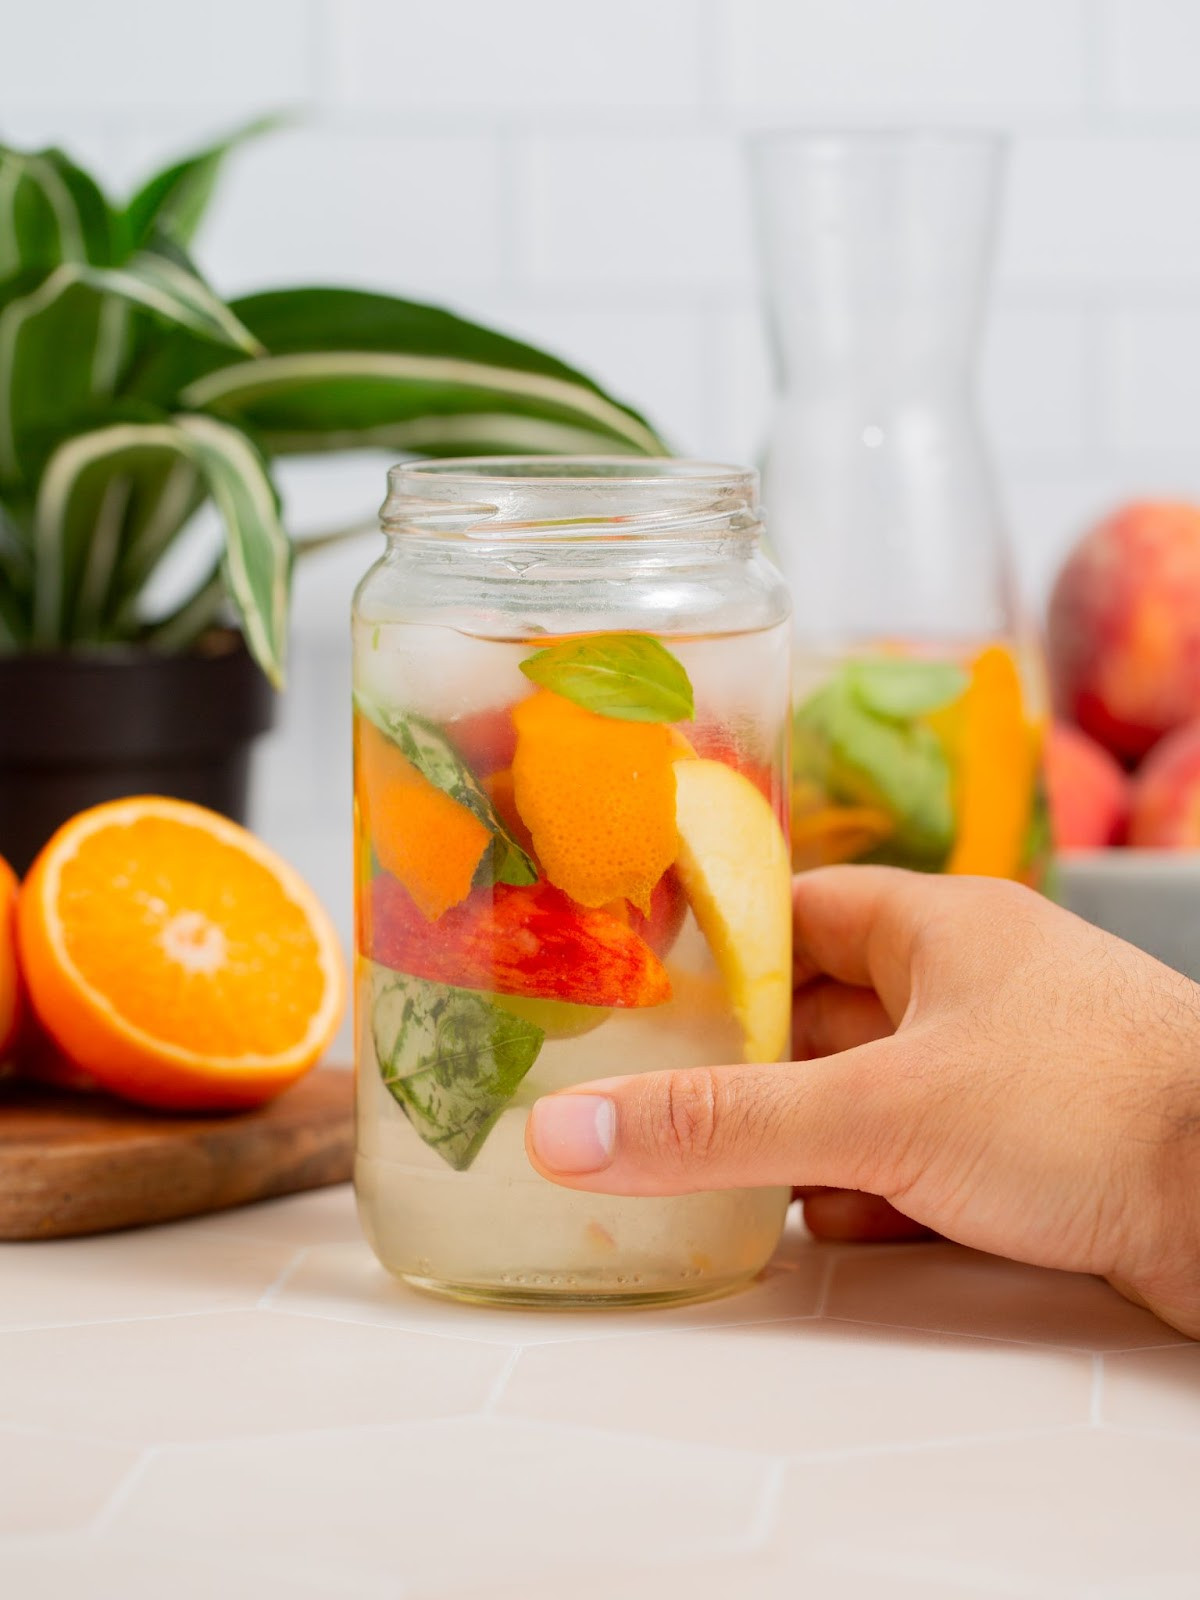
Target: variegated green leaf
[(16, 577), (62, 344), (177, 295), (99, 494), (352, 370), (51, 212), (330, 400), (258, 555), (176, 198), (167, 504), (83, 500)]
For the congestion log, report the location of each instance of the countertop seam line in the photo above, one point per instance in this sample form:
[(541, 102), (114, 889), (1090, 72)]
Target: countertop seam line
[(104, 1518), (1096, 1410), (280, 1280)]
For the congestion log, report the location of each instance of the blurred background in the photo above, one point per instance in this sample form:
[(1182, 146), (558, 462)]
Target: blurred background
[(578, 181)]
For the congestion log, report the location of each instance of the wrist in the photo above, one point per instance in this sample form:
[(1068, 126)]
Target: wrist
[(1165, 1272)]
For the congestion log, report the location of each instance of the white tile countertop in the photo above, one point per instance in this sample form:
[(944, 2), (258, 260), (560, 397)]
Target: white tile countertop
[(247, 1405)]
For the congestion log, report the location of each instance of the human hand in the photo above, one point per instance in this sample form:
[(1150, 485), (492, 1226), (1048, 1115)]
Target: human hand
[(972, 1057)]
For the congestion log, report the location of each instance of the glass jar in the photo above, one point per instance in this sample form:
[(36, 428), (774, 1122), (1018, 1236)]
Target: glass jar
[(920, 702), (571, 729)]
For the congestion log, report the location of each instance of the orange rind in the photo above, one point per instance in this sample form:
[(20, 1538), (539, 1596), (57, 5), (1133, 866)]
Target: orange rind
[(598, 797), (173, 956)]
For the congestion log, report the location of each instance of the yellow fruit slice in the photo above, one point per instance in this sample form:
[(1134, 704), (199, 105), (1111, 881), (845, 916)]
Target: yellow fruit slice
[(734, 866)]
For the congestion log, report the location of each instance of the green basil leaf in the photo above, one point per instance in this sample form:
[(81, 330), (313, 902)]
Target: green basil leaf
[(451, 1058), (426, 746), (1037, 850), (631, 676), (898, 687), (870, 760)]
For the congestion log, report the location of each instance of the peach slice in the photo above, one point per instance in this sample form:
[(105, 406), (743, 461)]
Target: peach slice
[(528, 940)]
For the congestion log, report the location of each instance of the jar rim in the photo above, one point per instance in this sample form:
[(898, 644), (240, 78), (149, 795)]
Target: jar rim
[(569, 497)]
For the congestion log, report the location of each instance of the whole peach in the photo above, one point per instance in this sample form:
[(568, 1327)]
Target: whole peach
[(1165, 814), (1123, 637), (1088, 790)]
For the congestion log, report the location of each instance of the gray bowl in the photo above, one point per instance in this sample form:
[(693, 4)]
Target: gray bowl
[(1149, 897)]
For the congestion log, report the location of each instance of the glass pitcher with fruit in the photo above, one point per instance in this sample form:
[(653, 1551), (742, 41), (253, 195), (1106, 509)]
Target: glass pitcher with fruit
[(919, 701), (571, 731)]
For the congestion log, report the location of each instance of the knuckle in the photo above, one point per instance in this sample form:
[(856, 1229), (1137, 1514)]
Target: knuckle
[(691, 1114)]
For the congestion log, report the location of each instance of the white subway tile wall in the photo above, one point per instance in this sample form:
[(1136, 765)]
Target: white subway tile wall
[(573, 173)]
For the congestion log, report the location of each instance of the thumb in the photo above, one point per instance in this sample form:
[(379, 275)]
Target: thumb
[(839, 1121)]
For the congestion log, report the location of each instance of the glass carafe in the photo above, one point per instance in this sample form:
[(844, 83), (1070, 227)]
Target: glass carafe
[(919, 702)]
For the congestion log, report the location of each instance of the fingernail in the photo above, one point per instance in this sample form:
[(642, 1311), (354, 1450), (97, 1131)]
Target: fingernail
[(573, 1132)]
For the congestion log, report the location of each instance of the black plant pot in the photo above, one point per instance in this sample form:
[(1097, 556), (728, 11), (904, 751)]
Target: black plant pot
[(76, 730)]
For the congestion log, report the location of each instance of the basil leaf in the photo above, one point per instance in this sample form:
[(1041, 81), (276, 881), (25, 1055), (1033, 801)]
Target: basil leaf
[(870, 760), (631, 676), (426, 746), (450, 1058), (897, 687), (1038, 866)]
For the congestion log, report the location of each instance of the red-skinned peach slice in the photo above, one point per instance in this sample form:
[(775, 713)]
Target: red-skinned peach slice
[(668, 908), (486, 740), (524, 940), (717, 741)]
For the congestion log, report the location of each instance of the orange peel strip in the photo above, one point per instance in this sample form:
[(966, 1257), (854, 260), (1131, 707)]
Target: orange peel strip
[(426, 840), (598, 797)]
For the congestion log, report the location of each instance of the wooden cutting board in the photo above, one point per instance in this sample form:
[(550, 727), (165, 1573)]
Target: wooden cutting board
[(73, 1163)]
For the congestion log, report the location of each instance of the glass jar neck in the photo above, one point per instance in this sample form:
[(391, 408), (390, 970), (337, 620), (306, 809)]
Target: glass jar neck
[(571, 506), (874, 251)]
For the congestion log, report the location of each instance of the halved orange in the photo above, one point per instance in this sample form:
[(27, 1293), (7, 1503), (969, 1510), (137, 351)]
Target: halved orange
[(10, 977), (176, 958)]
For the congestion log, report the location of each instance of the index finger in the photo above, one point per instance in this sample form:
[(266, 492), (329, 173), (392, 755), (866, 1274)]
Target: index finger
[(858, 925)]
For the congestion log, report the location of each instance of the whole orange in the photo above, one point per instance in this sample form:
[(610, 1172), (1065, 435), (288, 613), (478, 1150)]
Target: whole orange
[(10, 975)]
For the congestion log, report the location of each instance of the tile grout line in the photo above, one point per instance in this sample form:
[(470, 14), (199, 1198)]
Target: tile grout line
[(496, 1392), (1135, 1430), (103, 1519), (951, 1442), (766, 1513), (149, 1316), (826, 1286), (47, 1430), (983, 1338), (1096, 1410), (401, 1328), (277, 1284), (596, 1430), (538, 1342)]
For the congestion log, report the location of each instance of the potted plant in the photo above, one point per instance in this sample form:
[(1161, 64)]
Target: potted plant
[(130, 395)]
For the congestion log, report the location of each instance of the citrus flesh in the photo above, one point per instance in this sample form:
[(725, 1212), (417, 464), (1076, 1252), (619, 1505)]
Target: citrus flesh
[(176, 958)]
